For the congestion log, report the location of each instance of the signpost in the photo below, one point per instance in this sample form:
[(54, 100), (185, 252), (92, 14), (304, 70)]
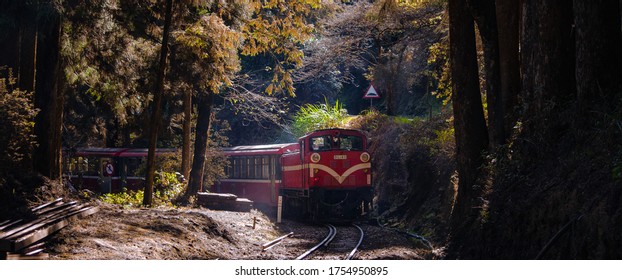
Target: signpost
[(109, 169), (371, 94)]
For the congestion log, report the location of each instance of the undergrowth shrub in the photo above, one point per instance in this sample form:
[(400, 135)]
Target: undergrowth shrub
[(412, 162), (17, 138), (167, 188)]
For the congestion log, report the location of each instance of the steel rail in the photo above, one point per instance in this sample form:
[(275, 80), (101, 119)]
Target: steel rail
[(349, 257), (332, 231)]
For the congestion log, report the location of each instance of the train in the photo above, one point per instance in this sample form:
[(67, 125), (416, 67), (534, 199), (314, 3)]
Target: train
[(325, 176), (107, 170)]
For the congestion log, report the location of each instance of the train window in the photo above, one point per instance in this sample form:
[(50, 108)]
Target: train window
[(277, 167), (243, 167), (344, 142), (265, 167), (236, 168), (258, 169), (92, 166), (321, 143), (251, 167), (133, 166), (350, 143), (82, 164)]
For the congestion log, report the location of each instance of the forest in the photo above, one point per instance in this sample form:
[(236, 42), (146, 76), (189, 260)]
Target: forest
[(498, 134)]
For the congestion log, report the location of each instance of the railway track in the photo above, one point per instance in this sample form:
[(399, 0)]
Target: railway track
[(330, 236)]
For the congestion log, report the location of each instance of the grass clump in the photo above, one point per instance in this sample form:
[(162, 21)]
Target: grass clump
[(312, 117)]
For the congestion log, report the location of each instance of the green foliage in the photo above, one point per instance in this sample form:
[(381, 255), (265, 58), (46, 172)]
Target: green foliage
[(279, 28), (17, 115), (312, 117), (210, 49), (435, 136), (127, 199), (167, 189), (106, 59), (438, 60)]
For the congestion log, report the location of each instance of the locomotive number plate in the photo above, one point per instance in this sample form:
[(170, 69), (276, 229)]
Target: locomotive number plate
[(340, 157)]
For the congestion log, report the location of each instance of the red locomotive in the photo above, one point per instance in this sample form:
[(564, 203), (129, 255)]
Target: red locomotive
[(325, 176)]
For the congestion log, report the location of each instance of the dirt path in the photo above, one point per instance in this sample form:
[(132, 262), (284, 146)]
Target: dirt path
[(199, 233)]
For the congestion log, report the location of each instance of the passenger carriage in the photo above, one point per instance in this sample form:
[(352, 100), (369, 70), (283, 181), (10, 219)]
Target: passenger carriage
[(106, 170)]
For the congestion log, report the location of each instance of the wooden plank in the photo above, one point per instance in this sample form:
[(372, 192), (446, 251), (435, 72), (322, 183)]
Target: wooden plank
[(40, 245), (239, 204), (50, 216), (66, 213), (243, 205), (12, 245), (38, 256), (56, 208), (216, 196), (10, 225), (39, 231), (5, 222), (34, 252), (42, 206), (27, 240)]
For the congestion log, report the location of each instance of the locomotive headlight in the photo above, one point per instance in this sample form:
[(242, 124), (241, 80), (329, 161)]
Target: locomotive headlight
[(316, 180), (315, 157), (365, 157)]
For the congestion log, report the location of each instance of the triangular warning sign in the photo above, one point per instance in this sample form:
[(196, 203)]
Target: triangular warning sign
[(371, 92)]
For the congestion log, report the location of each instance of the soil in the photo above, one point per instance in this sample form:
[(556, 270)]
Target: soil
[(115, 233)]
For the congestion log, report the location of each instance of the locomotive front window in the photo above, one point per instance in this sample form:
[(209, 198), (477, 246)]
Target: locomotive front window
[(321, 143), (342, 142), (350, 143)]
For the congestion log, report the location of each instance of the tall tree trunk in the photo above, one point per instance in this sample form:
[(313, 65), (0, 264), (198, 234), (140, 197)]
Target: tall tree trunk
[(508, 15), (598, 47), (48, 96), (187, 134), (200, 144), (9, 36), (547, 58), (157, 107), (470, 125), (28, 46), (484, 13)]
